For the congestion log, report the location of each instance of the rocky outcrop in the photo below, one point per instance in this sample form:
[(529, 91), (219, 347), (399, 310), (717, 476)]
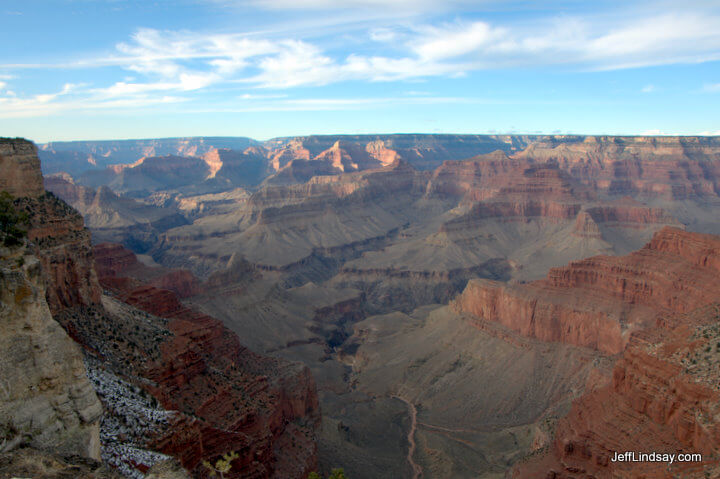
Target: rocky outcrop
[(599, 301), (226, 398), (663, 397), (586, 227), (675, 168), (630, 215), (230, 399), (115, 218), (20, 168), (46, 400), (62, 244), (120, 267)]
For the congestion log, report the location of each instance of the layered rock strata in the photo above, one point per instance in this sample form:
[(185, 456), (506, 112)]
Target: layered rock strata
[(228, 397), (599, 301)]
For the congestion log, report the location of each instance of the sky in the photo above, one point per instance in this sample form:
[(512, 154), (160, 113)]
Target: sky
[(115, 69)]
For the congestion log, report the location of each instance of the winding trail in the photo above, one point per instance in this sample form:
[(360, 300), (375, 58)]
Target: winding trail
[(415, 467)]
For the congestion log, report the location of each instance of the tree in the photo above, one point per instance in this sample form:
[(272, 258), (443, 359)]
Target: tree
[(11, 233), (338, 473)]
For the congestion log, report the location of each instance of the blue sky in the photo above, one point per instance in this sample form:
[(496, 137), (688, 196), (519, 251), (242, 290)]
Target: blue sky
[(104, 69)]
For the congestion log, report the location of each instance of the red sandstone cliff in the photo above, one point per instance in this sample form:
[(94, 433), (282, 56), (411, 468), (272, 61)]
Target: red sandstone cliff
[(657, 310), (664, 397), (670, 167), (599, 301)]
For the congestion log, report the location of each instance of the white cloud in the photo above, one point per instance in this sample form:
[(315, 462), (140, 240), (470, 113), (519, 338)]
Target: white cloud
[(456, 40), (712, 87), (168, 66), (383, 35), (650, 88)]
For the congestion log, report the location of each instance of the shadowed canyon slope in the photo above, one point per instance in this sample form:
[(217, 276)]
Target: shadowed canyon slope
[(506, 304)]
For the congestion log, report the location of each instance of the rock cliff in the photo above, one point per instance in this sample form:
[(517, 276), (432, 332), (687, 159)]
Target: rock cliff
[(663, 397), (599, 301), (20, 168), (46, 400), (675, 168), (229, 398)]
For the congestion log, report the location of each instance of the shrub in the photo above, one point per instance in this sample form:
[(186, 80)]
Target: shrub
[(11, 220)]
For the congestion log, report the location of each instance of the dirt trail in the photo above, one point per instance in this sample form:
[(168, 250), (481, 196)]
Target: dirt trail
[(416, 469)]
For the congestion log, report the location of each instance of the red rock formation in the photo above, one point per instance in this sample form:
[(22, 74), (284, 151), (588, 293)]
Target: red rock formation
[(599, 301), (670, 167), (238, 400), (656, 308), (62, 244), (116, 263), (664, 397), (629, 215), (586, 227)]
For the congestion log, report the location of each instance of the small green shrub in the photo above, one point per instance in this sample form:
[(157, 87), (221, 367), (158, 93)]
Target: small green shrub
[(11, 221)]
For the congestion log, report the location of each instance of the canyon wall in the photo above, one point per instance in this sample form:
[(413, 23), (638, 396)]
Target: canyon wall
[(238, 400), (46, 400), (599, 301), (20, 168)]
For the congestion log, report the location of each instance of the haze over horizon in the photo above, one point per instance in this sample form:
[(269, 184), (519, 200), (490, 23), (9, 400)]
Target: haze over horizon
[(116, 69)]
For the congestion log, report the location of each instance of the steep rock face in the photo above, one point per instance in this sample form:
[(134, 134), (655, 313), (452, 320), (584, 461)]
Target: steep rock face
[(669, 167), (62, 244), (586, 227), (628, 215), (237, 168), (264, 408), (47, 401), (120, 266), (478, 178), (597, 302), (518, 194), (546, 314), (20, 168), (663, 397)]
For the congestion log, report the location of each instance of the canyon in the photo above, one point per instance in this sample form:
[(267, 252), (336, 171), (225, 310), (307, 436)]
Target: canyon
[(173, 383), (429, 306)]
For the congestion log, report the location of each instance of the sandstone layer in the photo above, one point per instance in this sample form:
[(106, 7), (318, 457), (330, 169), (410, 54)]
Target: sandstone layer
[(599, 301)]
